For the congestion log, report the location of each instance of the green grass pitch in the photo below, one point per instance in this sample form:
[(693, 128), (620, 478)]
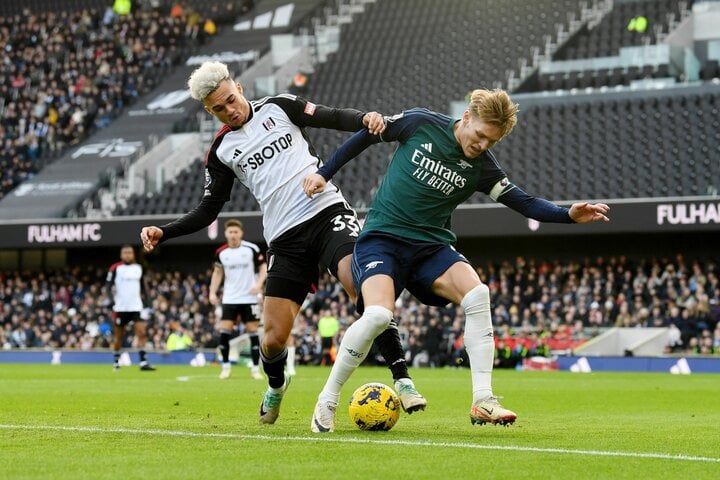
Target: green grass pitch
[(84, 421)]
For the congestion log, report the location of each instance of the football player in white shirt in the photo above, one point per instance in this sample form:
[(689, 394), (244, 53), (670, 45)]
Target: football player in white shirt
[(127, 287), (242, 265), (263, 144)]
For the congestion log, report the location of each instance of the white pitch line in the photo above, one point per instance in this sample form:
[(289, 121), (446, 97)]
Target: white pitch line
[(335, 439), (187, 378)]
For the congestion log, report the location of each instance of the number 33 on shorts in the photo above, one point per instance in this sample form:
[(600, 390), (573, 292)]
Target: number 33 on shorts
[(346, 222)]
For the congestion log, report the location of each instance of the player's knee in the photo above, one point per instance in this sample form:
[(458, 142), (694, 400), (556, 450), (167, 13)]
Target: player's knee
[(273, 343), (377, 318), (476, 300)]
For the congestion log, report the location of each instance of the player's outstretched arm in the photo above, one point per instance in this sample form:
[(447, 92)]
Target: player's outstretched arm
[(315, 183), (150, 236), (589, 212), (546, 211), (304, 113), (219, 179), (200, 217)]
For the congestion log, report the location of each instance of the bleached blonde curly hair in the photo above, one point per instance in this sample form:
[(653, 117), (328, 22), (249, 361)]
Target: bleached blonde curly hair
[(206, 78)]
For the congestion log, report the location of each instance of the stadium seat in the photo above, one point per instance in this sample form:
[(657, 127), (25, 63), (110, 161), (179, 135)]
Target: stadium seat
[(94, 87), (710, 70), (559, 151), (606, 38), (606, 141)]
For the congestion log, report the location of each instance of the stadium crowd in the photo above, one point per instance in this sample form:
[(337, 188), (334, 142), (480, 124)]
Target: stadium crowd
[(538, 306), (67, 73)]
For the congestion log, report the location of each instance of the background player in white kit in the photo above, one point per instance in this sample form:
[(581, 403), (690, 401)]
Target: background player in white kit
[(127, 286), (243, 267)]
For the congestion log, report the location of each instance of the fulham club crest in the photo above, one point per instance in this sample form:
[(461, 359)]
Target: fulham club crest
[(269, 124)]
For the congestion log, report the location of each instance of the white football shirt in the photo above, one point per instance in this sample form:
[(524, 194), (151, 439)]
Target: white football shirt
[(271, 156), (240, 267), (127, 279)]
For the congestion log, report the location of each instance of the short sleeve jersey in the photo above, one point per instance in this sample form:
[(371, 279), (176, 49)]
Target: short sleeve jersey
[(127, 279), (240, 266)]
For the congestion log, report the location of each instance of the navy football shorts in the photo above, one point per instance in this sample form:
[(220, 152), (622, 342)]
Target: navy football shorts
[(414, 265)]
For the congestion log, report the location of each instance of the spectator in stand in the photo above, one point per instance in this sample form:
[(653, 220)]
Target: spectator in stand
[(434, 342), (328, 326), (179, 339), (177, 10), (299, 84), (209, 27), (638, 24), (66, 93), (70, 307), (503, 355), (122, 7)]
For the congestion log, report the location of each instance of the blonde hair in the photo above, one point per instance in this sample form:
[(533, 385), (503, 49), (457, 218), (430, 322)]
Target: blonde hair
[(206, 78), (494, 107), (233, 222)]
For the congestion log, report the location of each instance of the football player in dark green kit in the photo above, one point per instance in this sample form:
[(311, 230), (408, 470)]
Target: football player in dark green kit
[(406, 241)]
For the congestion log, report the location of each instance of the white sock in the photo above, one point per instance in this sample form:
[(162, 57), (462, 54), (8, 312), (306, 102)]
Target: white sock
[(290, 365), (479, 340), (358, 340), (226, 366)]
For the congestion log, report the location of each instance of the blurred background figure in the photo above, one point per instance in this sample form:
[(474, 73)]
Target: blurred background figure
[(128, 287), (328, 326), (241, 269), (179, 339)]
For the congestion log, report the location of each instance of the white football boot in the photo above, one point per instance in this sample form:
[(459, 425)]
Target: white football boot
[(410, 399), (490, 411), (323, 420), (270, 406)]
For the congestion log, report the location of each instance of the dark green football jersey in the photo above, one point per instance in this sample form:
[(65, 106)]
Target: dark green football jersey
[(428, 177)]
